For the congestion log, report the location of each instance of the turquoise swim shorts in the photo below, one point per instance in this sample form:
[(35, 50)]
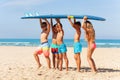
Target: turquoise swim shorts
[(62, 48), (54, 48), (54, 45), (77, 47)]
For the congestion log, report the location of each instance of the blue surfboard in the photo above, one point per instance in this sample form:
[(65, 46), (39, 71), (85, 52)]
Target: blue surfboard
[(64, 16)]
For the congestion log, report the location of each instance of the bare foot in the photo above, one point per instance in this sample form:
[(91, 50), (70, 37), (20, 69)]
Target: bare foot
[(82, 71), (94, 72), (60, 69), (39, 66), (66, 69), (78, 71)]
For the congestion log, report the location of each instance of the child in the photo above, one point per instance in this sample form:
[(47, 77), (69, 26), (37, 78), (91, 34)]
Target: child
[(54, 47), (44, 47), (77, 44), (90, 37), (61, 46)]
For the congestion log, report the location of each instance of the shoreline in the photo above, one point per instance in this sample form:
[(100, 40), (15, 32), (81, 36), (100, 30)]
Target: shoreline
[(101, 43), (67, 47)]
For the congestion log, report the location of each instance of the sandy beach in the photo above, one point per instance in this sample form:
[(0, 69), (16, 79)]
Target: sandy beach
[(17, 63)]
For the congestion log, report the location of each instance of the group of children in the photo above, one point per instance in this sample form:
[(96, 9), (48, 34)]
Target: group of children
[(58, 48)]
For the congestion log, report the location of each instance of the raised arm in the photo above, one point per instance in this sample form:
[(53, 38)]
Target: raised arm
[(40, 21), (57, 20), (74, 20), (72, 24), (84, 24), (48, 25), (51, 21), (59, 24)]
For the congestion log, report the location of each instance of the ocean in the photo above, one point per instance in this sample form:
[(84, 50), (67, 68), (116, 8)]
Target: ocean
[(101, 43)]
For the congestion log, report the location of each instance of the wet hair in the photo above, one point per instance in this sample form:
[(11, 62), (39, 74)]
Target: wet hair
[(44, 24), (60, 24), (54, 25), (89, 22), (77, 23)]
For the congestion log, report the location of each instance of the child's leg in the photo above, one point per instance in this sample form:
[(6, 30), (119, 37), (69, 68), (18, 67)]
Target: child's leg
[(77, 50), (53, 59), (36, 53), (48, 61), (46, 54), (60, 61), (66, 60), (78, 61), (75, 57), (90, 60), (57, 60)]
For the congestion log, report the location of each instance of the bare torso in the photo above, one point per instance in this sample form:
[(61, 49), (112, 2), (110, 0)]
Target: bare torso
[(54, 38), (60, 37), (77, 35), (44, 37), (90, 34)]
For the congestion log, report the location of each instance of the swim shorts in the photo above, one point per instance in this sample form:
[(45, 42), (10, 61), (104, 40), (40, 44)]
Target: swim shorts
[(77, 47), (54, 48), (62, 48), (43, 48), (93, 46)]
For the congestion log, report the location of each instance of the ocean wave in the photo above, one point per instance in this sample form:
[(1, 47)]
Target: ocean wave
[(16, 44), (114, 43), (70, 44), (118, 44), (108, 45)]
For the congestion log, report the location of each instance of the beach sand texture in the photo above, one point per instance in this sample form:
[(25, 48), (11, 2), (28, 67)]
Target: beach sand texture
[(17, 63)]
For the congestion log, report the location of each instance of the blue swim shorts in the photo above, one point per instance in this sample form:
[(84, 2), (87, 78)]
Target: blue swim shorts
[(77, 47), (62, 48)]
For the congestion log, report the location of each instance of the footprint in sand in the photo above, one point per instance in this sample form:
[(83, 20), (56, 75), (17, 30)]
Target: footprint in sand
[(41, 70), (44, 71), (48, 75)]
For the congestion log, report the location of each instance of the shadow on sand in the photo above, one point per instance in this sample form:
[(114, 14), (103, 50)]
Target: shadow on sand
[(87, 69)]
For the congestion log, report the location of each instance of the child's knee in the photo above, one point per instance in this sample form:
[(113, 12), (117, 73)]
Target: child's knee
[(65, 57), (89, 57), (46, 54), (38, 52), (57, 57), (75, 57), (60, 58), (53, 56), (35, 53)]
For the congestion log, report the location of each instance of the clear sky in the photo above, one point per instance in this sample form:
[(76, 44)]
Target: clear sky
[(11, 26)]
